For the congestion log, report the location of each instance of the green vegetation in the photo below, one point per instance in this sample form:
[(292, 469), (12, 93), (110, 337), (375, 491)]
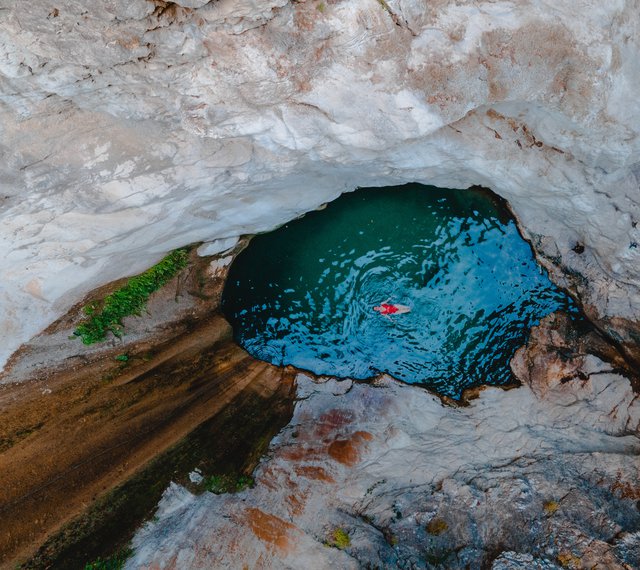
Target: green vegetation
[(122, 358), (115, 562), (230, 483), (131, 299), (339, 539)]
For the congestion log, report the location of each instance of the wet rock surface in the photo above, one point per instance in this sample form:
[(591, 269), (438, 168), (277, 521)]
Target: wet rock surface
[(542, 476), (97, 427)]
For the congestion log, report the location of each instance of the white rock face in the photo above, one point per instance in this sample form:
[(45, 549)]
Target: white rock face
[(416, 484), (131, 127)]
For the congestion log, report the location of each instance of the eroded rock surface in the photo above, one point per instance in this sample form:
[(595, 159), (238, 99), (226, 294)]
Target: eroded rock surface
[(130, 127), (68, 439), (543, 476)]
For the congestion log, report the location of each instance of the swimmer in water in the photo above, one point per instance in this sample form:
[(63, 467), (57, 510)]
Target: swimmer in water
[(387, 309)]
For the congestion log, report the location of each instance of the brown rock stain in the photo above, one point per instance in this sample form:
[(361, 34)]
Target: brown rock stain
[(314, 472), (305, 16), (130, 42), (268, 477), (332, 421), (493, 114), (297, 503), (302, 452), (271, 529), (348, 451), (625, 490)]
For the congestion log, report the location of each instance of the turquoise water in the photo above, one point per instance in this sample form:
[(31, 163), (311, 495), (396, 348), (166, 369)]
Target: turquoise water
[(304, 294)]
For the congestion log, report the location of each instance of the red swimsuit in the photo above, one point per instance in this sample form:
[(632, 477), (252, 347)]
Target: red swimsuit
[(388, 309)]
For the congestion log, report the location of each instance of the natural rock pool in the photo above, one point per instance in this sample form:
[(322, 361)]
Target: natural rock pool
[(304, 294)]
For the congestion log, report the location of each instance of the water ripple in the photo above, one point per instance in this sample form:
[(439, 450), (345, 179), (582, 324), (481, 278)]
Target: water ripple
[(304, 294)]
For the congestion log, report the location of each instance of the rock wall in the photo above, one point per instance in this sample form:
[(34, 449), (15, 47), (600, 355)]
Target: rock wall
[(130, 127)]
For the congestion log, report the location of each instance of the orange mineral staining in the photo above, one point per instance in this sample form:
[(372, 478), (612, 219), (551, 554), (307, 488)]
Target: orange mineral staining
[(271, 529)]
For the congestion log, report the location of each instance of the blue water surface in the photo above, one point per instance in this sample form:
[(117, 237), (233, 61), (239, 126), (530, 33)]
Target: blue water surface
[(304, 294)]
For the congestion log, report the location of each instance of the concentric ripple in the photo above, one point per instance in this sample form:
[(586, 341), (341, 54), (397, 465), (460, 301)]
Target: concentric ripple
[(304, 294)]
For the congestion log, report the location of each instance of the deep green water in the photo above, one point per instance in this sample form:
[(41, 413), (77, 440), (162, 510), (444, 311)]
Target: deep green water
[(304, 294)]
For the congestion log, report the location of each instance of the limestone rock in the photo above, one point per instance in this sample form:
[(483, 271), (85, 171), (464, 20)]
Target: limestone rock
[(217, 246), (513, 479), (132, 127), (191, 3)]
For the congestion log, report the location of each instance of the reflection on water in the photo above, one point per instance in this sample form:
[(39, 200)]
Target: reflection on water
[(304, 294)]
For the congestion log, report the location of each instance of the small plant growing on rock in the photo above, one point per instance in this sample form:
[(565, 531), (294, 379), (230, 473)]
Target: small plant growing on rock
[(550, 507), (339, 539), (391, 538), (229, 483), (106, 316), (569, 560), (115, 562)]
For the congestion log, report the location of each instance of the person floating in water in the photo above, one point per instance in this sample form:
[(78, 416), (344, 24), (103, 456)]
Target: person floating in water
[(387, 309)]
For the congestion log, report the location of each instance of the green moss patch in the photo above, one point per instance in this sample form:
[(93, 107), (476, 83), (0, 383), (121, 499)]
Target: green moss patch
[(339, 539), (106, 316), (115, 562), (230, 483)]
